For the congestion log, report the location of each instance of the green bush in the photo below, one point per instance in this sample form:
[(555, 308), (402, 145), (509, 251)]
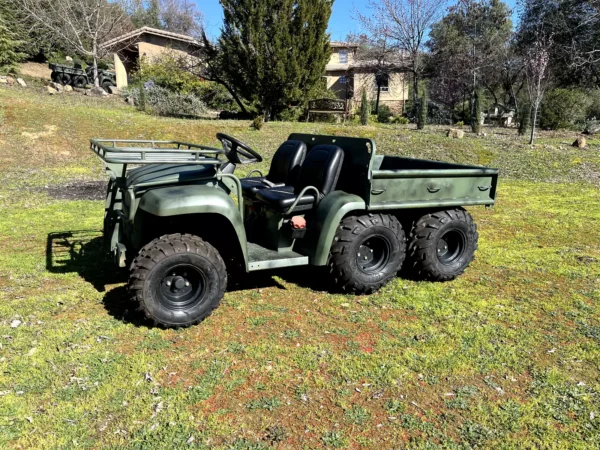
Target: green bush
[(291, 114), (594, 108), (564, 108), (364, 108), (399, 120), (460, 123), (258, 123), (165, 102), (383, 113)]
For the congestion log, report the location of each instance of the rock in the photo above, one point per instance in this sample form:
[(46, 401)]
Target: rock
[(3, 80), (68, 58), (96, 92), (56, 86), (592, 127), (21, 82), (580, 142), (15, 323), (455, 134), (51, 90), (68, 88), (113, 90), (130, 100), (10, 81)]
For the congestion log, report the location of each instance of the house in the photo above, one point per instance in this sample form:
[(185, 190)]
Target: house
[(347, 77), (146, 42)]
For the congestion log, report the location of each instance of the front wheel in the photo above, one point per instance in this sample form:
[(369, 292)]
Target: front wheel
[(366, 253), (178, 280), (441, 245)]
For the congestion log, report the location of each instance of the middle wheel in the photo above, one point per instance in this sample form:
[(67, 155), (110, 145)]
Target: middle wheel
[(366, 253)]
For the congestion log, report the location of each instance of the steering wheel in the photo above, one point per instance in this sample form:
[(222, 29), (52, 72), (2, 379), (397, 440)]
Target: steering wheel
[(238, 152)]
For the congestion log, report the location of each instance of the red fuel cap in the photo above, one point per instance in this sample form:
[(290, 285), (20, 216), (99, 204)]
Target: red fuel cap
[(298, 222)]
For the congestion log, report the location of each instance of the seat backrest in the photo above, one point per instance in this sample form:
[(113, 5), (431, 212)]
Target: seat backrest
[(321, 169), (286, 162)]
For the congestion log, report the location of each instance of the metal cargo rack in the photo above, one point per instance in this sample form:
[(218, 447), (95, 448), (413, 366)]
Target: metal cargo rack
[(131, 151)]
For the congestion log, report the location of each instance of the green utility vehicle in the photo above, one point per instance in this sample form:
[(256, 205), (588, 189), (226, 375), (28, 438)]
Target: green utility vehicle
[(181, 220), (79, 78)]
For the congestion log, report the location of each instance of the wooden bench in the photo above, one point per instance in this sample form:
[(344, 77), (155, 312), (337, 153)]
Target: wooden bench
[(327, 106)]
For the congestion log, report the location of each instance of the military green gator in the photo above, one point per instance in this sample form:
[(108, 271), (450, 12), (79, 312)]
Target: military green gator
[(181, 220)]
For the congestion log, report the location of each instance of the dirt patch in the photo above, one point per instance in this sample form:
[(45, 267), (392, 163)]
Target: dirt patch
[(84, 190), (35, 70), (49, 131)]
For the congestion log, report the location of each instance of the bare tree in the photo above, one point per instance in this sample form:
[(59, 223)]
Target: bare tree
[(181, 16), (536, 73), (80, 25), (404, 24)]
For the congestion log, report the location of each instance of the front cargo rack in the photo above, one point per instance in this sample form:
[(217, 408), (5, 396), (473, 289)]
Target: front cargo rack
[(131, 151)]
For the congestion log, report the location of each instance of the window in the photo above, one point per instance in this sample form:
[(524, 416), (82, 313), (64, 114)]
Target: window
[(343, 56), (384, 82), (343, 79)]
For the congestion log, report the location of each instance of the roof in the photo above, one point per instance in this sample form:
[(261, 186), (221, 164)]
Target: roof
[(127, 37), (340, 44)]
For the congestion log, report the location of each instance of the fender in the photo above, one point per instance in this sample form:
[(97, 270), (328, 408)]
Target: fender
[(328, 216), (195, 199)]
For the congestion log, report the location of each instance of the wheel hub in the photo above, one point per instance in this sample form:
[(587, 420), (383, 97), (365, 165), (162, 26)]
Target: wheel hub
[(182, 287), (450, 247), (373, 254)]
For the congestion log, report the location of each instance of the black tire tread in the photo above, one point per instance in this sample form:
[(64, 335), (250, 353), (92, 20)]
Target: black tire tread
[(339, 255), (157, 250), (421, 238)]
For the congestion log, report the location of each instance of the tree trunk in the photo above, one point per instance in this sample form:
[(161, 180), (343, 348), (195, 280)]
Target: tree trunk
[(533, 121), (95, 57), (377, 99)]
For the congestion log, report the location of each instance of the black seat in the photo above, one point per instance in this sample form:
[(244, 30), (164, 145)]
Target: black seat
[(285, 167), (321, 169)]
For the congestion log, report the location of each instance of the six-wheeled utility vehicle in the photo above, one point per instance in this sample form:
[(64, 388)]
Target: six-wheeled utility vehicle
[(79, 78), (181, 219)]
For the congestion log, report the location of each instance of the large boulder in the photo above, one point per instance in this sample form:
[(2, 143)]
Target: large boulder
[(113, 90), (3, 80), (580, 142), (68, 88), (96, 92), (592, 127), (51, 90), (455, 134)]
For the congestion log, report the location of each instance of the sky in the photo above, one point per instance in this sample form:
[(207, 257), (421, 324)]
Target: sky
[(341, 23)]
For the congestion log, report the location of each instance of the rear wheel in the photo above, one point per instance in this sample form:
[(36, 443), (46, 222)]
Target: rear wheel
[(79, 81), (366, 253), (441, 245), (63, 78), (178, 280)]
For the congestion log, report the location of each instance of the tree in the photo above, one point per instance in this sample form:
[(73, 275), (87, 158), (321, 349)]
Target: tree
[(10, 40), (364, 108), (404, 24), (422, 117), (177, 16), (81, 26), (470, 47), (272, 53), (536, 72)]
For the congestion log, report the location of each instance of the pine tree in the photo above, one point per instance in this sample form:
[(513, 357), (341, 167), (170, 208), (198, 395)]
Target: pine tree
[(422, 118), (10, 42), (476, 119), (274, 52), (364, 108)]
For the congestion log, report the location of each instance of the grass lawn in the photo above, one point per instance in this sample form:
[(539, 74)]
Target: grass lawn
[(506, 356)]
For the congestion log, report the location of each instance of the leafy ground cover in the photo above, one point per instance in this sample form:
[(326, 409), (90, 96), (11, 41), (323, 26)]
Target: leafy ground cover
[(506, 356)]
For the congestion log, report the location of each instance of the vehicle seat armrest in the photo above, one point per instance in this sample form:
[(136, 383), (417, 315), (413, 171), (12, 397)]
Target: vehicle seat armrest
[(301, 194), (253, 171)]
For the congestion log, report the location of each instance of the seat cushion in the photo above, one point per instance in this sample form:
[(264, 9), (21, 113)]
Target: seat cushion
[(279, 199), (285, 165), (321, 168), (250, 186)]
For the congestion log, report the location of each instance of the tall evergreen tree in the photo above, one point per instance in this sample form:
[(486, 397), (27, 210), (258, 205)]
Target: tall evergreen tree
[(10, 40), (477, 113), (422, 117), (364, 108), (273, 52)]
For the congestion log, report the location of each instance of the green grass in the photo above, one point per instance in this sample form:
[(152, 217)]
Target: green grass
[(506, 356)]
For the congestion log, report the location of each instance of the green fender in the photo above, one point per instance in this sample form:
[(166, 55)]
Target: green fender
[(328, 216), (195, 199)]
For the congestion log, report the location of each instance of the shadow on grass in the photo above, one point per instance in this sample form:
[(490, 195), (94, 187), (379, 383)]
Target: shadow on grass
[(82, 252)]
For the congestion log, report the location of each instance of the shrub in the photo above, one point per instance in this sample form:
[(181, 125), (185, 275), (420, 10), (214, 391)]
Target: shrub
[(422, 114), (364, 108), (564, 108), (436, 114), (164, 102), (476, 119), (383, 114), (460, 123), (292, 114), (258, 123)]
